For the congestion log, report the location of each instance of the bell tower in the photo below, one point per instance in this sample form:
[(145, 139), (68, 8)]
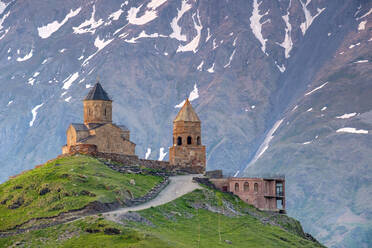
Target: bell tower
[(97, 106), (187, 149)]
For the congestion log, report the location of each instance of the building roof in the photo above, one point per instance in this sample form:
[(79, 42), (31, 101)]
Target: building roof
[(79, 127), (123, 127), (97, 93), (187, 113)]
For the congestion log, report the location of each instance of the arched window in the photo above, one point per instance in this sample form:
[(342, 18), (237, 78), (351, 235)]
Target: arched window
[(189, 140), (246, 186), (198, 141), (179, 141), (255, 187), (236, 187)]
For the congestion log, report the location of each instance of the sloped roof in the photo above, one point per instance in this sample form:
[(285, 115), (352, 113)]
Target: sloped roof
[(187, 113), (79, 127), (123, 127), (97, 93)]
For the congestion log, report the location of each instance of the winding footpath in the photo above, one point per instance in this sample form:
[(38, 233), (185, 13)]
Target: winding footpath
[(177, 187)]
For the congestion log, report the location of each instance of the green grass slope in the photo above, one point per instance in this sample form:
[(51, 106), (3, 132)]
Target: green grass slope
[(66, 184), (203, 218), (87, 232), (208, 218)]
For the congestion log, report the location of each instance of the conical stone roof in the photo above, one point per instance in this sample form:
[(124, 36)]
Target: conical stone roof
[(187, 113), (97, 93)]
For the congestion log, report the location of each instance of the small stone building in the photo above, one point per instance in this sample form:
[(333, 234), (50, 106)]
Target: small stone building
[(187, 149), (264, 193), (98, 128)]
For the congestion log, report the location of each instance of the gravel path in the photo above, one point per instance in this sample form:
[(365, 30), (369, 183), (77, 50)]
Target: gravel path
[(177, 187)]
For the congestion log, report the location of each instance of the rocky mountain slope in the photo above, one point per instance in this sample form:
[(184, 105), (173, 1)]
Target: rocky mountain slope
[(280, 87)]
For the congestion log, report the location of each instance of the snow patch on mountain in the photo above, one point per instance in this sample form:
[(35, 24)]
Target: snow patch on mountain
[(149, 15), (308, 17), (366, 14), (3, 19), (100, 44), (2, 7), (3, 35), (115, 15), (265, 144), (346, 116), (316, 89), (177, 30), (209, 35), (234, 42), (354, 45), (69, 80), (287, 43), (9, 103), (192, 46), (162, 154), (214, 44), (31, 81), (361, 61), (256, 24), (362, 25), (194, 94), (352, 130), (148, 153), (47, 30), (211, 69), (281, 68), (230, 59), (144, 35), (34, 113), (89, 26), (26, 57), (68, 99), (200, 66), (236, 173), (154, 4)]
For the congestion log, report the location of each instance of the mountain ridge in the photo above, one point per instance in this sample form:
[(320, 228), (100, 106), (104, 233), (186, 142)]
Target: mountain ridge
[(45, 79)]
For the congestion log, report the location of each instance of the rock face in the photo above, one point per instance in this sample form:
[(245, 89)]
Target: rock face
[(280, 87)]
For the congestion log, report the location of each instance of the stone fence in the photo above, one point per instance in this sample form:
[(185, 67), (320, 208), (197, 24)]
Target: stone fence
[(133, 160)]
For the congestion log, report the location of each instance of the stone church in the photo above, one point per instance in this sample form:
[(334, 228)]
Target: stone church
[(100, 135), (187, 148), (98, 128)]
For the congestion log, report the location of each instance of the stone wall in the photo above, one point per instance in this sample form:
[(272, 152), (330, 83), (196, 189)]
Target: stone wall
[(133, 160), (89, 149), (109, 138)]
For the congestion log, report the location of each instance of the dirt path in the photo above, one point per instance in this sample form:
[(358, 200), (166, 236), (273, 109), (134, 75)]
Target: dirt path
[(177, 187)]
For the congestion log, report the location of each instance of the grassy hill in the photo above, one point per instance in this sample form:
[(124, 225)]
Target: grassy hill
[(63, 185), (203, 218)]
